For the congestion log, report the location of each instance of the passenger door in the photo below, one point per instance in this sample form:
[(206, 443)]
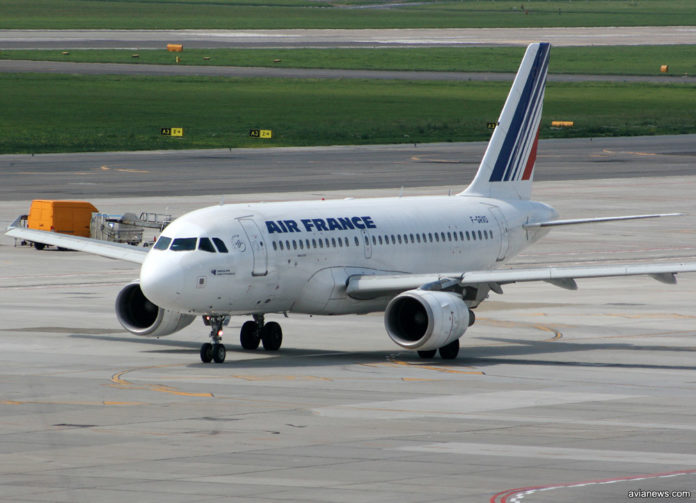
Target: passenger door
[(258, 246), (504, 230)]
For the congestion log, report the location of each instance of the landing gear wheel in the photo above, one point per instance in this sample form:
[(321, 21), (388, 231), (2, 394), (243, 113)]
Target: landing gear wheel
[(271, 336), (207, 352), (249, 335), (219, 353), (39, 246), (427, 355), (450, 351), (214, 350)]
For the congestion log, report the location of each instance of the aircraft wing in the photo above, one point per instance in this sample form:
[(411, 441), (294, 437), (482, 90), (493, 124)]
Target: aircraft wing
[(119, 251), (370, 286)]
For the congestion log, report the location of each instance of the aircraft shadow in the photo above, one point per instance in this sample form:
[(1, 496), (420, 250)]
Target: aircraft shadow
[(518, 352), (522, 352)]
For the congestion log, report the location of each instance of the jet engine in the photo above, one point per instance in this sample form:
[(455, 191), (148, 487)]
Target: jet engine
[(141, 317), (426, 320)]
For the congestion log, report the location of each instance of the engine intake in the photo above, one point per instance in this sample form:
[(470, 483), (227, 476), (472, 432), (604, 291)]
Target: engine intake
[(141, 317), (425, 320)]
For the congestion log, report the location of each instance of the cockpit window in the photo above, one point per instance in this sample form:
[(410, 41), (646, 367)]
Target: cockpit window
[(163, 243), (220, 245), (205, 245), (184, 244)]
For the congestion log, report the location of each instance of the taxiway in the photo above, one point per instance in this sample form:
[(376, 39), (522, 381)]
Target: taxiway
[(556, 396), (427, 37)]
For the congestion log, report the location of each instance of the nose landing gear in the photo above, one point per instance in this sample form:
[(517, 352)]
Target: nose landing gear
[(214, 351)]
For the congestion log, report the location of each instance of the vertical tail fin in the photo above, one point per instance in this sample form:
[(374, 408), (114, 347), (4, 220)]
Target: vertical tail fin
[(507, 167)]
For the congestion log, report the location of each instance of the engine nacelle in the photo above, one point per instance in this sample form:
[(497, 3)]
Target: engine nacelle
[(425, 320), (141, 317)]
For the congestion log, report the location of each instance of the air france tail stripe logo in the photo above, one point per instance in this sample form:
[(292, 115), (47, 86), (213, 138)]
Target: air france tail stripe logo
[(532, 158), (526, 135), (518, 152), (520, 136)]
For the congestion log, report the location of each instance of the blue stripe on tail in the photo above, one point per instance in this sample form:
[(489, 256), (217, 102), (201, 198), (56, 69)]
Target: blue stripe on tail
[(509, 164)]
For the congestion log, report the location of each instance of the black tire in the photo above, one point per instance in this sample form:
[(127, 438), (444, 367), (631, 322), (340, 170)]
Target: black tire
[(427, 355), (271, 336), (39, 246), (450, 351), (207, 352), (249, 335), (219, 353)]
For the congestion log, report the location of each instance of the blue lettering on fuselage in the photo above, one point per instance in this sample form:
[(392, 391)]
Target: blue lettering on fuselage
[(320, 224)]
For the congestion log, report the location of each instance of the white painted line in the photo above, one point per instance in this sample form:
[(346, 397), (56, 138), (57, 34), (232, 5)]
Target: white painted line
[(459, 405), (558, 453)]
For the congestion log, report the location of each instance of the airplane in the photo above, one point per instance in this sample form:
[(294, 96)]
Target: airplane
[(427, 262)]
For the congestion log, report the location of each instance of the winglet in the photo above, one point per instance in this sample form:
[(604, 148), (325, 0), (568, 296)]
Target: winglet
[(507, 168)]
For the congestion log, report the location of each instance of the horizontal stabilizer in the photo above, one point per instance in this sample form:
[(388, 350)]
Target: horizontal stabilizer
[(576, 221)]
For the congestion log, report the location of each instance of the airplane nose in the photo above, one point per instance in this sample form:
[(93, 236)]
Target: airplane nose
[(160, 283)]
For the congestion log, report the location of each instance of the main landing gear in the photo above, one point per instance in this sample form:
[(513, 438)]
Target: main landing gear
[(251, 335), (448, 352), (258, 332)]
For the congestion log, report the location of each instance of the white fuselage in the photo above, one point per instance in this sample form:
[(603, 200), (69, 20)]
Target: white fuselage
[(297, 256)]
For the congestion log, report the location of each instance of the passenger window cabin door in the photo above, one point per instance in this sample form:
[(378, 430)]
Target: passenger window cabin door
[(258, 246), (500, 219)]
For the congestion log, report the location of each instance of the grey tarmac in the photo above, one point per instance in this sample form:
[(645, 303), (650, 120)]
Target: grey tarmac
[(232, 172), (66, 67), (427, 37), (573, 396)]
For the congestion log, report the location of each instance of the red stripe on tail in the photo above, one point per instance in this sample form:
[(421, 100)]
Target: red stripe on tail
[(532, 158)]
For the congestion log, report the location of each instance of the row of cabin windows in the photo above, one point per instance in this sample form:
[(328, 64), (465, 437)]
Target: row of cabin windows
[(385, 239), (314, 243), (190, 244)]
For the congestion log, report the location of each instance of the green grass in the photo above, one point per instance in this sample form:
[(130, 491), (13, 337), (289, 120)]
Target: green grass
[(62, 113), (626, 60), (270, 14)]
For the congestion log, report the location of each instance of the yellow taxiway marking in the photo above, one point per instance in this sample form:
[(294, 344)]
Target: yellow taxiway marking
[(446, 370), (557, 334), (280, 377), (435, 368), (419, 158), (607, 151), (117, 380)]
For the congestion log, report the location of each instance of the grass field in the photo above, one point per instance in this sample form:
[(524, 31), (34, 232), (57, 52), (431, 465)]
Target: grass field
[(270, 14), (627, 60), (48, 113)]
